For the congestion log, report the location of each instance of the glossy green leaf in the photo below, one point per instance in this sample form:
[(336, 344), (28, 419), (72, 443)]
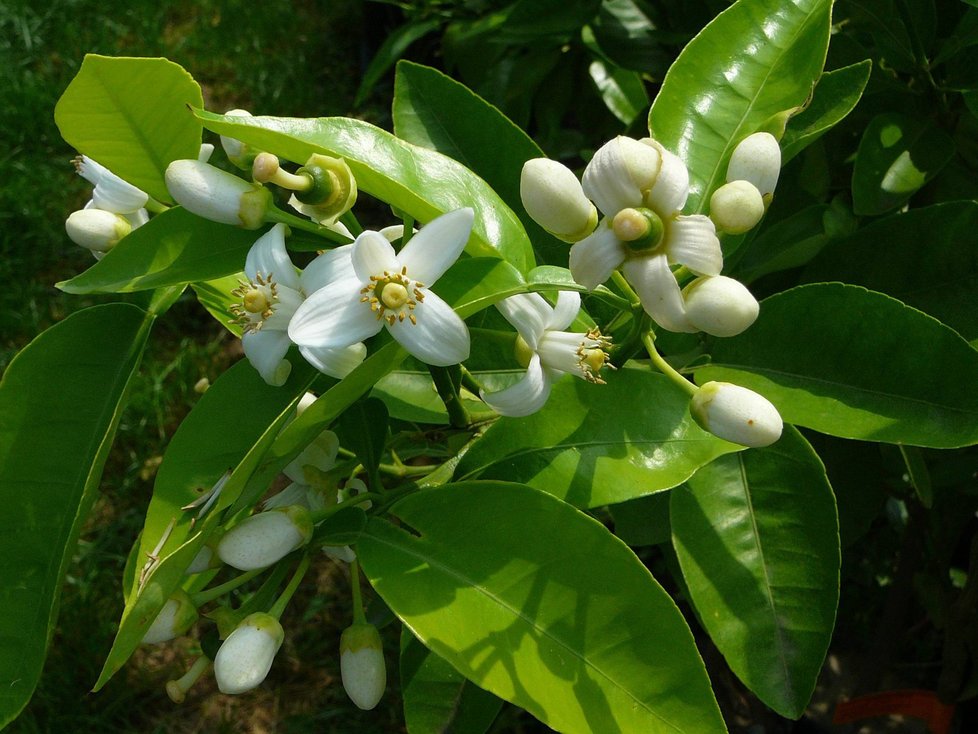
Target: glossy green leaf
[(532, 609), (390, 51), (923, 257), (833, 98), (622, 91), (363, 429), (757, 538), (754, 61), (789, 243), (475, 283), (897, 155), (173, 248), (130, 115), (437, 698), (435, 111), (215, 296), (577, 449), (341, 528), (420, 182), (856, 364), (60, 403), (629, 37), (411, 396), (643, 521)]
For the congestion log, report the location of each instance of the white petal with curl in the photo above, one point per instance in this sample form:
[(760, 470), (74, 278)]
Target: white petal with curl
[(266, 350), (529, 313), (335, 264), (437, 246), (671, 188), (334, 317), (526, 396), (658, 290), (439, 338), (566, 310), (593, 259), (372, 254), (614, 177), (335, 362), (268, 257), (692, 241)]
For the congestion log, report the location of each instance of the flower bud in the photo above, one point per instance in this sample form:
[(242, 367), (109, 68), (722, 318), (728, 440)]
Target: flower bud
[(217, 195), (261, 540), (736, 414), (719, 305), (205, 560), (736, 207), (757, 159), (246, 656), (554, 199), (96, 230), (176, 617), (240, 154), (362, 665)]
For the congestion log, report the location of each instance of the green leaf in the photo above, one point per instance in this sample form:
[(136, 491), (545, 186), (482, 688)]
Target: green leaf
[(215, 296), (757, 538), (754, 61), (622, 91), (582, 452), (897, 155), (627, 36), (856, 364), (788, 243), (922, 257), (475, 283), (343, 527), (533, 610), (411, 396), (435, 111), (60, 403), (833, 98), (363, 429), (173, 248), (390, 51), (131, 116), (643, 521), (918, 474), (420, 182), (437, 698), (529, 21)]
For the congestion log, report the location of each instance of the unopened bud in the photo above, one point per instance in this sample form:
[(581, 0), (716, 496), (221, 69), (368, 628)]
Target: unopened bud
[(757, 159), (362, 665), (554, 199), (262, 539), (176, 617), (240, 154), (736, 414), (96, 230), (246, 656), (736, 207), (217, 195), (719, 305)]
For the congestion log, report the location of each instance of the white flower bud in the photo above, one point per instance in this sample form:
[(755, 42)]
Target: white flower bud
[(553, 197), (261, 540), (719, 305), (736, 414), (217, 195), (621, 173), (736, 207), (757, 159), (362, 665), (96, 230), (246, 656), (176, 617), (240, 154), (205, 560)]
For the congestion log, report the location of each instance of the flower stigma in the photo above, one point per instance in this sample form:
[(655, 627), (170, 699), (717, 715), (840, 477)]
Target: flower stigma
[(257, 300), (391, 297)]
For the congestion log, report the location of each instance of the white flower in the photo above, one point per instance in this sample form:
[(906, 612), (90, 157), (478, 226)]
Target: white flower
[(546, 350), (217, 195), (111, 193), (362, 666), (640, 187), (736, 414), (553, 197), (736, 207), (720, 306), (307, 473), (262, 539), (246, 656), (176, 617), (391, 290), (270, 298), (757, 159)]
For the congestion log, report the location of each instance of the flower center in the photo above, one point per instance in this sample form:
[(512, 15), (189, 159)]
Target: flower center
[(639, 229), (258, 299), (592, 357), (393, 296)]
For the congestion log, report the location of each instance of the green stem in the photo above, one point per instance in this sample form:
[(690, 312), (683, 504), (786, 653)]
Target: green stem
[(448, 392), (358, 616), (408, 229), (394, 470), (648, 339), (216, 592), (352, 223), (279, 606), (620, 281), (320, 515), (282, 217), (470, 383), (155, 207)]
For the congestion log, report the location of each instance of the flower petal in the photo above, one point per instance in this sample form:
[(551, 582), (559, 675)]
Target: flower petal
[(692, 241), (526, 396), (283, 309), (439, 338), (269, 258), (111, 193), (619, 172), (372, 254), (437, 246), (529, 313), (334, 317), (566, 310), (671, 188), (319, 454), (658, 290), (593, 259), (335, 264), (266, 351), (335, 362)]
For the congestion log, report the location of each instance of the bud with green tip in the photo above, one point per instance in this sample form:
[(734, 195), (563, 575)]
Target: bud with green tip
[(262, 539), (362, 665), (175, 618), (720, 306), (736, 414), (554, 199), (757, 159), (217, 195), (736, 207), (96, 230), (246, 656)]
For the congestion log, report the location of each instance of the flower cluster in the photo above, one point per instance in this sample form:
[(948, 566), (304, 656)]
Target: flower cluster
[(115, 209)]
